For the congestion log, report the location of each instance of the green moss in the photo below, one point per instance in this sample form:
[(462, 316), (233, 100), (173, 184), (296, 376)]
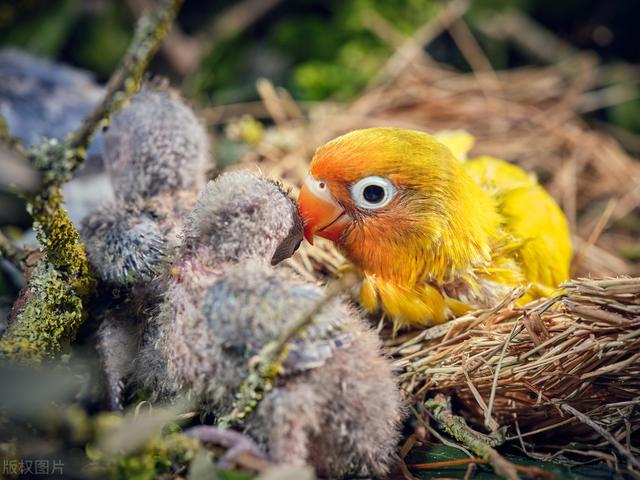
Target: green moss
[(162, 455), (60, 239), (167, 454), (53, 308), (5, 136), (49, 319), (40, 27)]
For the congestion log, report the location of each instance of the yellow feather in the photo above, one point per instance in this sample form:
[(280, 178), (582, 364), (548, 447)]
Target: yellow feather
[(543, 250), (460, 142)]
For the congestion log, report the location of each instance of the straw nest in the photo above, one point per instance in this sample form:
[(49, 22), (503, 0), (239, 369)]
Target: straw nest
[(533, 369), (519, 367)]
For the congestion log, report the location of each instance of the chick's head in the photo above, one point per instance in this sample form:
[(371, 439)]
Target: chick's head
[(155, 144), (242, 215)]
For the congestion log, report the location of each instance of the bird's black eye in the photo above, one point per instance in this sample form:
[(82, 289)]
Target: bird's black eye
[(373, 193)]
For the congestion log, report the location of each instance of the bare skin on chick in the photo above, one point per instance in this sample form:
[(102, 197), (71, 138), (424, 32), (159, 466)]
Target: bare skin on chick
[(157, 154), (335, 405)]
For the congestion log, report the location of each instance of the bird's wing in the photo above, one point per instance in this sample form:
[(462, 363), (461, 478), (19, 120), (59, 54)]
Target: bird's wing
[(460, 142), (316, 344), (532, 215), (306, 354), (535, 224)]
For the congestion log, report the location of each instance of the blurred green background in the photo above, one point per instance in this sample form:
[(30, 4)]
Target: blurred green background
[(318, 49)]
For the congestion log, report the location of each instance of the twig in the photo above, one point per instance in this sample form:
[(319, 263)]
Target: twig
[(481, 445), (238, 17), (413, 47), (185, 52), (380, 26), (529, 35), (17, 172), (8, 139), (471, 50), (271, 101), (601, 224), (437, 435), (610, 438), (268, 362), (488, 420), (471, 468), (531, 471), (607, 97)]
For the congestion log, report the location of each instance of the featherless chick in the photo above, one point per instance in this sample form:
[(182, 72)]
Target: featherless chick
[(238, 215), (334, 403), (157, 154)]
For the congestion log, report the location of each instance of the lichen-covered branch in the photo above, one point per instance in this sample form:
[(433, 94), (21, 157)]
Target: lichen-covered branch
[(51, 306), (480, 444)]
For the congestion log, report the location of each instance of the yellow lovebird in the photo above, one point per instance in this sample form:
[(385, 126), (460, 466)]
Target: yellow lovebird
[(433, 234)]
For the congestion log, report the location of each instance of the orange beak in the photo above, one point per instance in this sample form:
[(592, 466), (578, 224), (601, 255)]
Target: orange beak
[(320, 212)]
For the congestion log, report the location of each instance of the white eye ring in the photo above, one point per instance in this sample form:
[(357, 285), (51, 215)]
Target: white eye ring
[(373, 192)]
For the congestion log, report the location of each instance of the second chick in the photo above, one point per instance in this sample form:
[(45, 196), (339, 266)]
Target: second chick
[(334, 404)]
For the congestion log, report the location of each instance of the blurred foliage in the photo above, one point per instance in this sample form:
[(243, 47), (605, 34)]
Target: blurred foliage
[(626, 115), (318, 49), (168, 455), (38, 26), (338, 55), (324, 48), (108, 33)]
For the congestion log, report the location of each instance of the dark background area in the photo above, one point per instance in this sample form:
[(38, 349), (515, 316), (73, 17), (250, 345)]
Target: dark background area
[(317, 49)]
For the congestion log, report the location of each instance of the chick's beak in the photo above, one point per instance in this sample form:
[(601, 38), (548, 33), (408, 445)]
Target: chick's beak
[(322, 215)]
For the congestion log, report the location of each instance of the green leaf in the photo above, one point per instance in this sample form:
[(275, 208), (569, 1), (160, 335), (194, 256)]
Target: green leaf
[(441, 453), (233, 475)]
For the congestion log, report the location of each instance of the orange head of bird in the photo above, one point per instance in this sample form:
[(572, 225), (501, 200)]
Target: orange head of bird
[(375, 183)]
